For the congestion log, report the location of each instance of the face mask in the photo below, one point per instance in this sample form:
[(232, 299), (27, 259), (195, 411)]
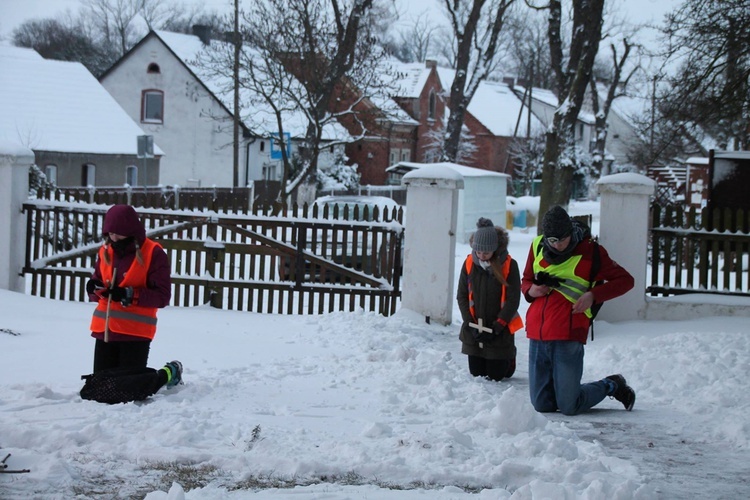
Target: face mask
[(122, 245)]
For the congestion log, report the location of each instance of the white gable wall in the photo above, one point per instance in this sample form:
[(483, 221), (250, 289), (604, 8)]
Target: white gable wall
[(197, 147)]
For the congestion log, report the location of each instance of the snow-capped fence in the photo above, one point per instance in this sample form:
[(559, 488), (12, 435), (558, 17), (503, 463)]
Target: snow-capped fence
[(308, 261), (699, 251)]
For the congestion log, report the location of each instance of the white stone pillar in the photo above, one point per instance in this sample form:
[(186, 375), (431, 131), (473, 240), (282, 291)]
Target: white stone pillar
[(623, 231), (430, 242), (15, 161)]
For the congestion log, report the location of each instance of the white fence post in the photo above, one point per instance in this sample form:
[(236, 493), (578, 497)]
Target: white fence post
[(430, 244), (15, 161), (623, 231)]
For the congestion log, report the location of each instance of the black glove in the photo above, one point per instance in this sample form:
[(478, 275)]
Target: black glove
[(93, 286), (545, 278), (122, 295), (499, 329)]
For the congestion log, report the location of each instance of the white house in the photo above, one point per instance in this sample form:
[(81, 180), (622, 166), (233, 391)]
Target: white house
[(189, 111), (79, 134)]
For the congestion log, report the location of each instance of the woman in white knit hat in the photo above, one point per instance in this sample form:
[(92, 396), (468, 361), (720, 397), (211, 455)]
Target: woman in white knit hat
[(489, 292)]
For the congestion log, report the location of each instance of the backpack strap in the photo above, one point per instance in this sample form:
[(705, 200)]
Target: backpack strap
[(596, 264)]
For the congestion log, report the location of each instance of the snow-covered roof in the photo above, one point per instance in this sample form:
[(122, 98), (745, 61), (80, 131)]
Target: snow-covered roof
[(257, 115), (496, 107), (549, 98), (410, 78), (59, 106), (407, 166)]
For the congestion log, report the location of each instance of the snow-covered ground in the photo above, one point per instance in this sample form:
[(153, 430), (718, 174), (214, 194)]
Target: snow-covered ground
[(360, 406)]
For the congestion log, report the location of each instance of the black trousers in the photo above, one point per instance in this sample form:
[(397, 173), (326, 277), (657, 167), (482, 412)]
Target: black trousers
[(493, 369), (122, 385), (109, 355)]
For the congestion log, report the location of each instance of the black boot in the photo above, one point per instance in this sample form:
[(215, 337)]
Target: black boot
[(623, 392)]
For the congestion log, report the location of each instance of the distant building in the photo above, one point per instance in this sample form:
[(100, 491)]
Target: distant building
[(79, 134)]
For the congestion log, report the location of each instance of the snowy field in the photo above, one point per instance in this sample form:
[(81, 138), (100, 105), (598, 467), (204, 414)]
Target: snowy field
[(359, 406)]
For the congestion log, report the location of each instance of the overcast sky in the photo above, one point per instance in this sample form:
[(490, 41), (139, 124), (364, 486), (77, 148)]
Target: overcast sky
[(15, 12)]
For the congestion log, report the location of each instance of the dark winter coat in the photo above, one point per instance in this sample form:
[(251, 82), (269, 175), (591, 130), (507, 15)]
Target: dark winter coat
[(487, 296)]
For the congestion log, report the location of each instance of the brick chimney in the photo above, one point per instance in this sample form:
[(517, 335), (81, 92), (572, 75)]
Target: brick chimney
[(430, 63), (203, 32)]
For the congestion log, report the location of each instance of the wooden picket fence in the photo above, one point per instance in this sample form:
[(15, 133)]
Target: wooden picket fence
[(699, 251), (309, 261)]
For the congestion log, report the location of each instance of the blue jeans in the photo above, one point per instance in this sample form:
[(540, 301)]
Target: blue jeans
[(555, 370)]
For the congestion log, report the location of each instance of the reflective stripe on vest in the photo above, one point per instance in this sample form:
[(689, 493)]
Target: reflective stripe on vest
[(572, 286), (132, 320), (516, 323)]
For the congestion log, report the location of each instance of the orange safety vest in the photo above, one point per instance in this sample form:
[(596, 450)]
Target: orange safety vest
[(516, 323), (132, 320)]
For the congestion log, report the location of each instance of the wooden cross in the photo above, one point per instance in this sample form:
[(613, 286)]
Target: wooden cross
[(478, 325)]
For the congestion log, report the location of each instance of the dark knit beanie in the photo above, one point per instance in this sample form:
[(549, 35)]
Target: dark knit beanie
[(485, 237), (556, 223)]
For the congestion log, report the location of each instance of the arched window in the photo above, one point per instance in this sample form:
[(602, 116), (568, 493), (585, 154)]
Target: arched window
[(152, 106), (88, 174), (131, 175), (431, 106), (153, 68)]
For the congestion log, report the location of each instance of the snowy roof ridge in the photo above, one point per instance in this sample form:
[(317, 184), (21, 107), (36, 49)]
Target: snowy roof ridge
[(60, 106)]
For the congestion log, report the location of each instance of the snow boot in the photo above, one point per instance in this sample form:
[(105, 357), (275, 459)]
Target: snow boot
[(174, 373), (623, 392)]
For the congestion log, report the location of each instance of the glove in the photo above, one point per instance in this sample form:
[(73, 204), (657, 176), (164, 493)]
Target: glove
[(94, 286), (122, 295), (499, 329), (545, 278)]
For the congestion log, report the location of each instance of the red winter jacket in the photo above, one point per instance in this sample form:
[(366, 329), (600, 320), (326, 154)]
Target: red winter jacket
[(551, 317)]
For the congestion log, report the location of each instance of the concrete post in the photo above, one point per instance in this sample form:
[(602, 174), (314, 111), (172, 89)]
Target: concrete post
[(430, 242), (15, 161), (623, 231)]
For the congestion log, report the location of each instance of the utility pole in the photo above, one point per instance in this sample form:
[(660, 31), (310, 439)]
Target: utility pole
[(236, 74)]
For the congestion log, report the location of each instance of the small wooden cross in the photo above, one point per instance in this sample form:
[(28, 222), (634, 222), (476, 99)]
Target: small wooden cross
[(478, 325)]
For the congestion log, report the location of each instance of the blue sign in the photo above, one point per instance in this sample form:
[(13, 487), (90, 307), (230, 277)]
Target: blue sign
[(275, 145)]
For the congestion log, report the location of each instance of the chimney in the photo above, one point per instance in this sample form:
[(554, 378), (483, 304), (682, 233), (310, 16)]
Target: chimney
[(430, 63), (509, 81), (203, 32)]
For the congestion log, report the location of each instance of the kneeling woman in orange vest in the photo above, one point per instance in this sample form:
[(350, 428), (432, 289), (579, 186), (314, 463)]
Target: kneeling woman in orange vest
[(489, 292), (131, 280)]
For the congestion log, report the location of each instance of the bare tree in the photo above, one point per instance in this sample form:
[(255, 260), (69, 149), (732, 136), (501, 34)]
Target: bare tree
[(572, 75), (415, 42), (476, 26), (316, 64), (115, 21), (711, 90), (616, 85), (62, 40), (529, 49)]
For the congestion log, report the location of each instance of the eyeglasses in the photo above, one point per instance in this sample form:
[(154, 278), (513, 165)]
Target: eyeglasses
[(552, 240)]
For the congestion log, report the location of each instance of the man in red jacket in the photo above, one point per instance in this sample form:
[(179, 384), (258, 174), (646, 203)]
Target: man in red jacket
[(558, 283)]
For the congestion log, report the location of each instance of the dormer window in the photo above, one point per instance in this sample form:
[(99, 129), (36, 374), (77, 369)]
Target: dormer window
[(152, 106), (153, 68)]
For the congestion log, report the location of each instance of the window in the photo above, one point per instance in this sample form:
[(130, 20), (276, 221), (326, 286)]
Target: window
[(405, 155), (262, 146), (131, 175), (88, 174), (431, 106), (51, 172), (152, 106), (394, 156), (269, 171), (153, 68)]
